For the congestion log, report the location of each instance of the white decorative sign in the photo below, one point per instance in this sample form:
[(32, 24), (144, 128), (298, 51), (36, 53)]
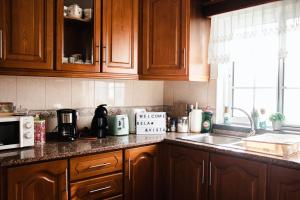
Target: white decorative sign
[(151, 123)]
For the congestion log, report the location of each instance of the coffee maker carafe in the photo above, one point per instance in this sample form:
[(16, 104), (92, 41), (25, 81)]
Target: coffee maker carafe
[(99, 125), (67, 124)]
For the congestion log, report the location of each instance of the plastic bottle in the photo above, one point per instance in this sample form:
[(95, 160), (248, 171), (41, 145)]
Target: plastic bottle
[(263, 119), (195, 117), (206, 121), (227, 120)]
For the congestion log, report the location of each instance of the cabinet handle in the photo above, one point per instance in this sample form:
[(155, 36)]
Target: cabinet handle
[(184, 57), (203, 171), (129, 169), (209, 173), (67, 177), (1, 43), (99, 55), (100, 165), (99, 189), (104, 54)]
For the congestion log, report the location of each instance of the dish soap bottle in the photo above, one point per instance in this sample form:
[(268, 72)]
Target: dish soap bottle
[(206, 121)]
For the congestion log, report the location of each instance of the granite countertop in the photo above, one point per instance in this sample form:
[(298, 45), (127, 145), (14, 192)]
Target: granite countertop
[(62, 150)]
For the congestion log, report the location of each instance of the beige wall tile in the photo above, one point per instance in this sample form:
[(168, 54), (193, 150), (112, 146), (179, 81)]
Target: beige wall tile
[(31, 92), (83, 93), (147, 93), (123, 92), (186, 92), (168, 95), (212, 93), (157, 91), (8, 89), (58, 93), (182, 92), (104, 92), (199, 93)]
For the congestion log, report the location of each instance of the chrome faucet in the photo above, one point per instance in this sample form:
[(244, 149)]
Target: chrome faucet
[(252, 131)]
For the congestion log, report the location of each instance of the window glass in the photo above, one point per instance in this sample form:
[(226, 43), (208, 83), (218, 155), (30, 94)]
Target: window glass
[(291, 106)]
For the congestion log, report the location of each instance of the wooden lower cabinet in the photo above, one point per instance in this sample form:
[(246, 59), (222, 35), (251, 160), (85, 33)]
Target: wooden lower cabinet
[(237, 179), (98, 188), (38, 181), (284, 183), (142, 173), (187, 173)]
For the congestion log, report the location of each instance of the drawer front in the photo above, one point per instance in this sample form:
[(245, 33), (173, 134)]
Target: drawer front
[(88, 166), (98, 188)]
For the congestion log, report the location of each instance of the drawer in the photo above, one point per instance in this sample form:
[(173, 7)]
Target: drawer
[(88, 166), (98, 188)]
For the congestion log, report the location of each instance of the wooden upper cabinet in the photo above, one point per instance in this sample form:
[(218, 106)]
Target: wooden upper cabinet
[(284, 183), (78, 37), (26, 34), (174, 40), (235, 179), (164, 37), (187, 174), (142, 175), (38, 181), (120, 36)]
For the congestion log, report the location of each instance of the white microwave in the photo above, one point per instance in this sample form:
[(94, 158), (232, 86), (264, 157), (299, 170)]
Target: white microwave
[(16, 132)]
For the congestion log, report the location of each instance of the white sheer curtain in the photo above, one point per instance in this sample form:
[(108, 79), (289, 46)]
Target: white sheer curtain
[(273, 18)]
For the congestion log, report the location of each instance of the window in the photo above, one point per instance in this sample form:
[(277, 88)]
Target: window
[(254, 74), (259, 48)]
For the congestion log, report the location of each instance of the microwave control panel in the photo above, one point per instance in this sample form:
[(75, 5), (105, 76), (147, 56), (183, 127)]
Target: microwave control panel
[(26, 131)]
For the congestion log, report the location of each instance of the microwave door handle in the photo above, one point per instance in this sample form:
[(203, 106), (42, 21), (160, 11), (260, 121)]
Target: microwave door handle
[(21, 139)]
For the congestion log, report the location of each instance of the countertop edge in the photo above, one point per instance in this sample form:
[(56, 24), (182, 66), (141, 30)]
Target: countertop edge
[(290, 162)]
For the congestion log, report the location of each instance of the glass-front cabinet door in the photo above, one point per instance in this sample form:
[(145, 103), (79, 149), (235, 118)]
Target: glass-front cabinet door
[(78, 35)]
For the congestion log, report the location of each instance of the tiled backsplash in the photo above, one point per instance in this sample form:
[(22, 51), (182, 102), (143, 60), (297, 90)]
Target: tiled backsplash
[(44, 93), (47, 93), (190, 92)]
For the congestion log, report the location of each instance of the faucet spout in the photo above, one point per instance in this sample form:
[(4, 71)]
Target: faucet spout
[(252, 131)]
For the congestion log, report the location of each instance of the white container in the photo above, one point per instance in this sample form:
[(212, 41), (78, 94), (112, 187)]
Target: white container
[(88, 13), (74, 11), (195, 120), (182, 125), (132, 117)]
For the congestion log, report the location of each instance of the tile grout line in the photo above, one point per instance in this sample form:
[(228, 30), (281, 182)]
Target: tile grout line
[(71, 93), (45, 107)]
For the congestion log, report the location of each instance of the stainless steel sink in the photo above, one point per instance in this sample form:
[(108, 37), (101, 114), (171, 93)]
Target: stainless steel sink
[(210, 139)]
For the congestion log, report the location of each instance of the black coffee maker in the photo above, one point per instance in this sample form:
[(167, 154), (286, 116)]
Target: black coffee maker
[(99, 127), (67, 124)]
